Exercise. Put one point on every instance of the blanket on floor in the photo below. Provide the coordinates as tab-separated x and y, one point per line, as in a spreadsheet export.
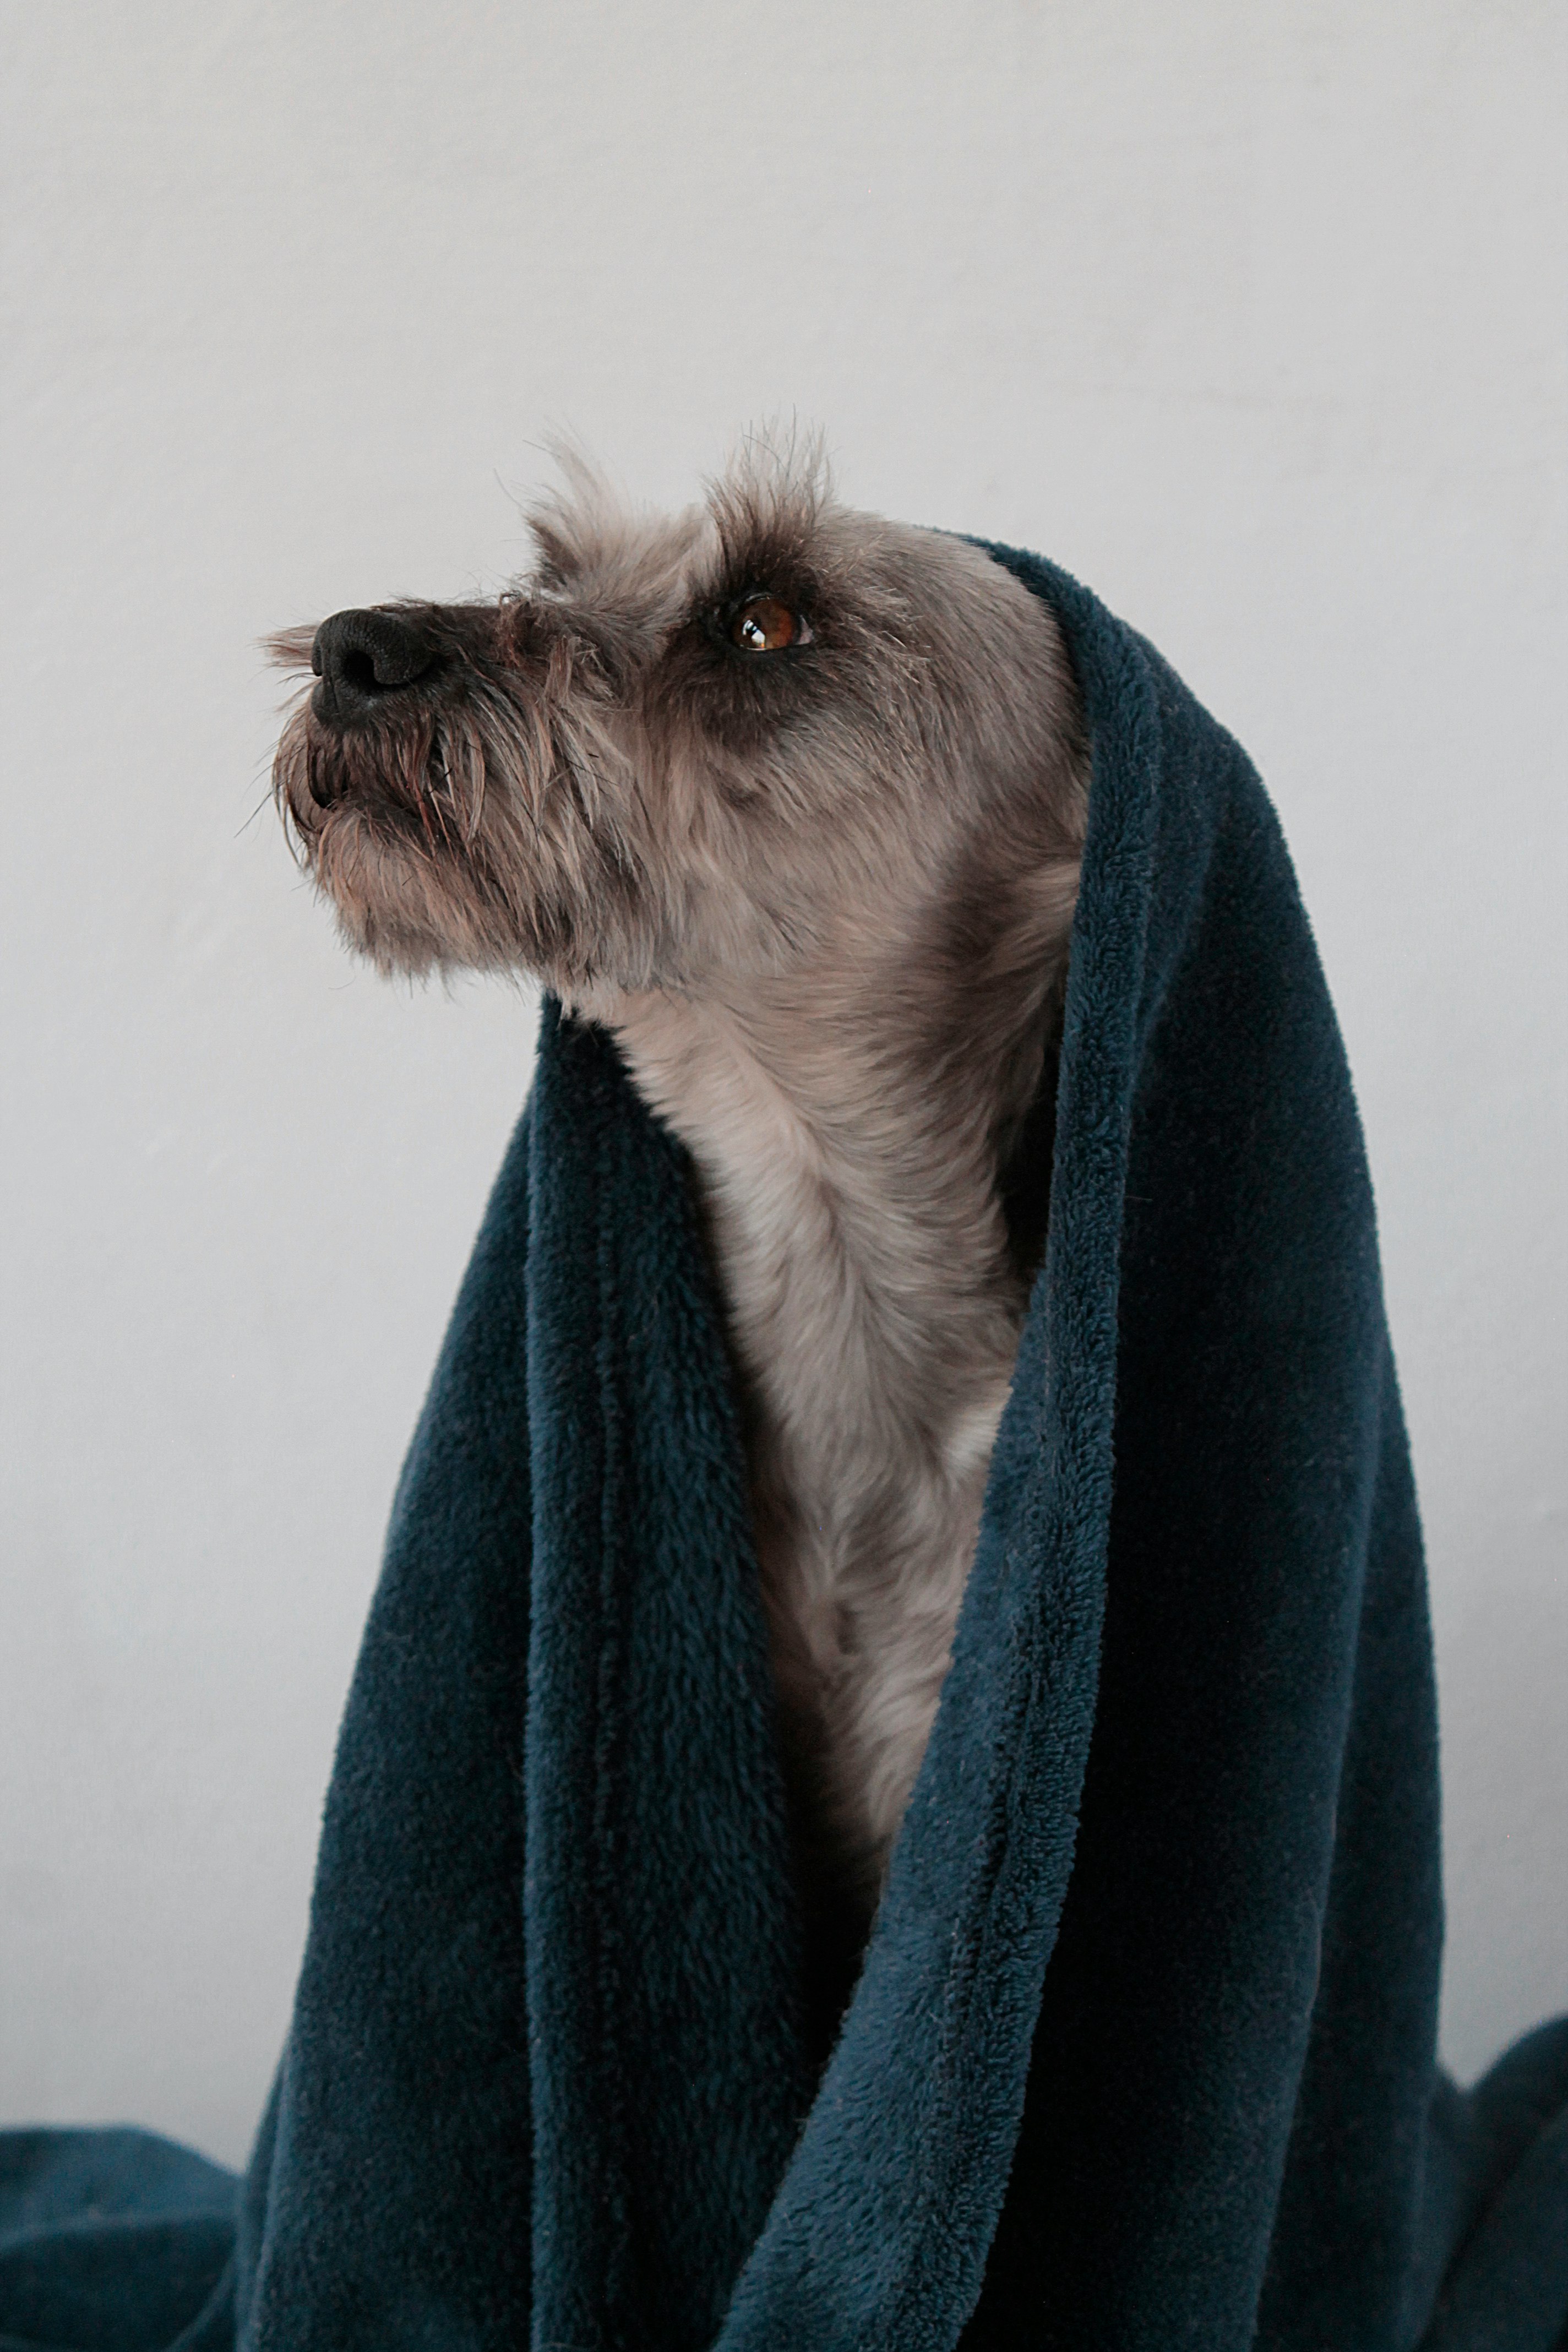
1141	2054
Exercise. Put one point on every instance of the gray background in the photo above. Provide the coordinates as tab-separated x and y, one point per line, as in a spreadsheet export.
1251	315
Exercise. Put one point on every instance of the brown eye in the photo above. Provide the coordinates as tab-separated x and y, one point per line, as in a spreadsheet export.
766	625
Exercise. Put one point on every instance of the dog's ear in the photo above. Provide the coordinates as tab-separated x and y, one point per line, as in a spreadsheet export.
773	465
569	523
767	503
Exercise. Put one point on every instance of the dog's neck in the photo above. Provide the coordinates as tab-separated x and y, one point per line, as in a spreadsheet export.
847	1149
845	1126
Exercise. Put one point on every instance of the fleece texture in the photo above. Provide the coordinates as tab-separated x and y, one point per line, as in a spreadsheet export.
1142	2057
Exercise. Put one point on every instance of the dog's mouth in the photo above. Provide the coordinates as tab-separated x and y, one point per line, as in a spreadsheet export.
324	771
467	801
382	739
385	816
454	812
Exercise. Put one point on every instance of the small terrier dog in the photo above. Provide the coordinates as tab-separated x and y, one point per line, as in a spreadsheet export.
791	800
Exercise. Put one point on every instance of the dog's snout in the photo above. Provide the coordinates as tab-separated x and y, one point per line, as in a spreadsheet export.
362	658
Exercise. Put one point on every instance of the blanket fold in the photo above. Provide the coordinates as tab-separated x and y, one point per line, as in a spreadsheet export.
1142	2053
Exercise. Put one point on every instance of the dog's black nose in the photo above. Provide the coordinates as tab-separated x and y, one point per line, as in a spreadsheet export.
362	658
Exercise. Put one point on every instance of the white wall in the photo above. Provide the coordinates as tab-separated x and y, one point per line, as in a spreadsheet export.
1250	315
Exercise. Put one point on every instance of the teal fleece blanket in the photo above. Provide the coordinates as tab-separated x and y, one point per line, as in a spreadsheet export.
1141	2054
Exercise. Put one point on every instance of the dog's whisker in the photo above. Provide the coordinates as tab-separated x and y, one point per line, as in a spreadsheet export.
268	799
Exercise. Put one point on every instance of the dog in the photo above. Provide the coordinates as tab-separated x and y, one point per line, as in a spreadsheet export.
792	800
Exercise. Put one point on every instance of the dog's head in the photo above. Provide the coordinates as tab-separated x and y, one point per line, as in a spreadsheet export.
679	747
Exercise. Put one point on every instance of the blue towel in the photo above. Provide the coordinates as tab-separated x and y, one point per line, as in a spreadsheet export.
1141	2056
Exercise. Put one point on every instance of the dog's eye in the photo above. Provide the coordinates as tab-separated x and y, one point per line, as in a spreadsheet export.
765	625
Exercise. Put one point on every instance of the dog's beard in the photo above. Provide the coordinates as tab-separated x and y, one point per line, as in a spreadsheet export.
479	832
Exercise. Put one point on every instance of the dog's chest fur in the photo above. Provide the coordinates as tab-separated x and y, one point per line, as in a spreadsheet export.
874	1314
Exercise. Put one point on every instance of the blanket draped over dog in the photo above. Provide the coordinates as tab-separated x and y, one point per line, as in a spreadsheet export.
1141	2054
